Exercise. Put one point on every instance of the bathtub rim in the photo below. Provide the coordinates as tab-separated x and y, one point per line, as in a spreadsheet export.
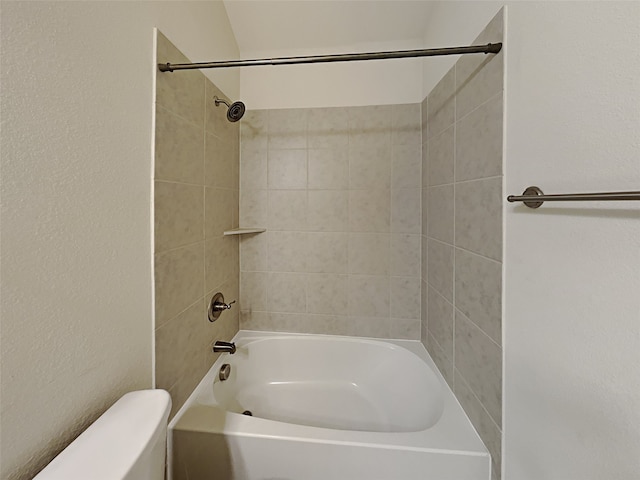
453	434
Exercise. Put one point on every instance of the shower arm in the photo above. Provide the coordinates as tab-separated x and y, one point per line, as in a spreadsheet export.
218	101
344	57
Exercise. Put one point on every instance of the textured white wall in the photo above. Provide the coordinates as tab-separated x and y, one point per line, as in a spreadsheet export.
452	24
382	82
268	28
572	271
76	304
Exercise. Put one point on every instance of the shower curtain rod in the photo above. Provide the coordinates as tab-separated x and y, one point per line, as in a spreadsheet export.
344	57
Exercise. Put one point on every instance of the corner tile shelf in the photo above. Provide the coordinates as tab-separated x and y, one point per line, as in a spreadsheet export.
244	231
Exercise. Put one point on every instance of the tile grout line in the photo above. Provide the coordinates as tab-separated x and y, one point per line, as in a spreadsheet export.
475	325
464	250
175	182
426	231
455	140
306	152
491	98
268	236
204	175
475	396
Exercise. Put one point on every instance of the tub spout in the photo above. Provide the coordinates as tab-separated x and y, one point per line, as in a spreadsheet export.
228	347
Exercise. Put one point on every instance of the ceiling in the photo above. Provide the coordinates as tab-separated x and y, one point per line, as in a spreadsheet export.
293	27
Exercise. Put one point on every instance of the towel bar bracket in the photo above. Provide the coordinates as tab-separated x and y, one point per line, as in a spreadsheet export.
532	191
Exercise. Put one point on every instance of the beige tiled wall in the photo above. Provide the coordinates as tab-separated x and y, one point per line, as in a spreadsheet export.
196	198
462	235
338	190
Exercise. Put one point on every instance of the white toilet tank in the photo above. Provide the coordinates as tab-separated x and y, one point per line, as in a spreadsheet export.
128	442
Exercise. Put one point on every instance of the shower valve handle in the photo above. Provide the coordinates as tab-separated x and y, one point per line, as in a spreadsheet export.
220	306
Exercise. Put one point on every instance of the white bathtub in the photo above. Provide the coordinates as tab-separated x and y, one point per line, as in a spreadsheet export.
325	408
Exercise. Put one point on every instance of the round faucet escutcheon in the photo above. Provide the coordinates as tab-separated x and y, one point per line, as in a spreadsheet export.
217	306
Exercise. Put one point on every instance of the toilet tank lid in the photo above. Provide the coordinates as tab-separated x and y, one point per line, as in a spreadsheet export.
109	448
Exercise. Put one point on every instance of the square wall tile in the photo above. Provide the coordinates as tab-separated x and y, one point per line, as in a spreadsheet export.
179	345
404	259
287	169
370	125
288	128
441	157
328	210
179	152
253	290
327	252
289	322
405	124
440	268
253	167
489	432
369	253
424	319
424	257
221	260
441	105
368	296
235	208
404	328
287	210
444	363
479	142
370	167
425	165
406	210
179	215
327	293
425	211
369	211
181	94
255	320
406	166
287	292
479	361
479	77
372	327
253	131
325	324
288	251
219	211
405	297
254	208
328	168
478	283
253	252
479	217
179	275
440	214
328	128
220	158
441	325
424	111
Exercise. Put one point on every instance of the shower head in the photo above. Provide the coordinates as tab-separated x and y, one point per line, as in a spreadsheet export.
235	111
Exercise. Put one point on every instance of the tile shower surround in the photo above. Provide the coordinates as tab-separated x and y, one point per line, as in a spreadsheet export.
462	235
339	191
372	212
196	198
